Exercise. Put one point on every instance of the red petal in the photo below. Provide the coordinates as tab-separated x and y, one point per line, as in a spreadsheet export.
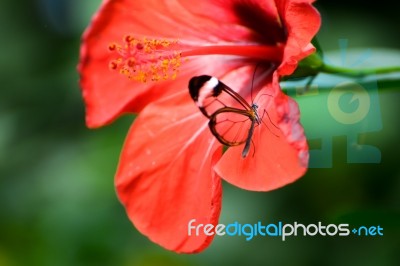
277	157
108	94
165	177
241	21
302	22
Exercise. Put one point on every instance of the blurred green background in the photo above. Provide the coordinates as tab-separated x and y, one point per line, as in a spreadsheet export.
57	200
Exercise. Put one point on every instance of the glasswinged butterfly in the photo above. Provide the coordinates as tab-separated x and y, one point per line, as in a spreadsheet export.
231	124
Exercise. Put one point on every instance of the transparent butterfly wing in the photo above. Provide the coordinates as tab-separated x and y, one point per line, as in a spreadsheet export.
232	119
231	126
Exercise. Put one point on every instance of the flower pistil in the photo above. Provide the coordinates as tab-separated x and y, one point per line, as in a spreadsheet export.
152	59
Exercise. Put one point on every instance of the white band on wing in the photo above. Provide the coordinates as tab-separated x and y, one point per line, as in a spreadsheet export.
206	91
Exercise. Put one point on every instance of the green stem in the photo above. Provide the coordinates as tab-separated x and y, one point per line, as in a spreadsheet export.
350	72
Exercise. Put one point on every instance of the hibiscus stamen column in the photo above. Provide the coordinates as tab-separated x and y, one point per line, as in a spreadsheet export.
152	59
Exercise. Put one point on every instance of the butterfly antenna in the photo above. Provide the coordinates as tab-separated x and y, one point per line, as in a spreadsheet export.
268	72
252	81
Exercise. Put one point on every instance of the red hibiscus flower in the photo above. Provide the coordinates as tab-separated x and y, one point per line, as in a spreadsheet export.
170	167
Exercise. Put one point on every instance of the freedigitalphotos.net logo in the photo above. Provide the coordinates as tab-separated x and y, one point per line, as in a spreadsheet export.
280	229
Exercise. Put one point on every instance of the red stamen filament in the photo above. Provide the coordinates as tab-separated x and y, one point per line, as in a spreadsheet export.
270	53
149	59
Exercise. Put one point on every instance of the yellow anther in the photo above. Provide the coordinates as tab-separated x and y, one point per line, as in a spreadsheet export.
146	59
